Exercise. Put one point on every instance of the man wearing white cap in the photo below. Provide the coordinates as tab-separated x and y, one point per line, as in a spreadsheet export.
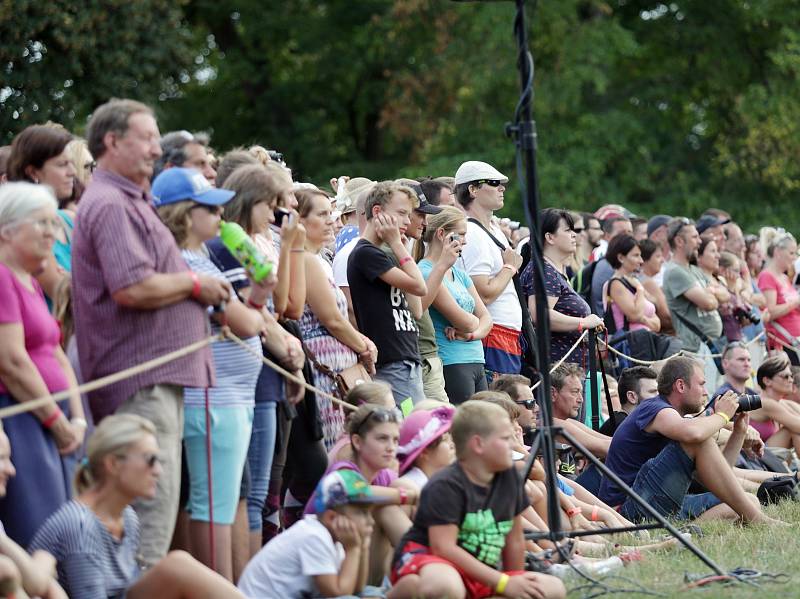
479	191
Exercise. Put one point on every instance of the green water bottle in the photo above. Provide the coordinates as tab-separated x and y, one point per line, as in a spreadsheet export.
245	251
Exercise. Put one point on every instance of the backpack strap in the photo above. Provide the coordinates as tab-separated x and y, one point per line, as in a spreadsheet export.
529	353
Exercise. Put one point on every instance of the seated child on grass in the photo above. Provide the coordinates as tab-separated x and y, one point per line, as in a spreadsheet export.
467	537
323	555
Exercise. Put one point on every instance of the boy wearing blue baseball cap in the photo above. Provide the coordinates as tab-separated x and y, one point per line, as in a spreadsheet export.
323	555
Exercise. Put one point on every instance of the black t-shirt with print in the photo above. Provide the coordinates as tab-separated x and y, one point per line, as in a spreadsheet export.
484	515
381	310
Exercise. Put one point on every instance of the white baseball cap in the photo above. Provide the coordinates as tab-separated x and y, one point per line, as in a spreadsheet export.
475	170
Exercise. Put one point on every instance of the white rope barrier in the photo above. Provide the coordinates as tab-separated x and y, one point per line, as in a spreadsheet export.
562	360
45	400
40	402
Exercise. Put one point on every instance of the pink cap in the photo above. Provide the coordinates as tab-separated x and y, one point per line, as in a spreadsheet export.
421	429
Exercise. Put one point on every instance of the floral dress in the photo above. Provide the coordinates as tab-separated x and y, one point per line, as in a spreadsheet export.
328	351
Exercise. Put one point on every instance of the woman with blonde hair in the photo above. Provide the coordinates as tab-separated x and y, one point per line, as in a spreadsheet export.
783	300
95	537
460	319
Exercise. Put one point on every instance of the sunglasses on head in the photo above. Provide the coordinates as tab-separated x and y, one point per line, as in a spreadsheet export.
379	416
489	182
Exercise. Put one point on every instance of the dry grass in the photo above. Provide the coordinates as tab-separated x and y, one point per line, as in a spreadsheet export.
768	549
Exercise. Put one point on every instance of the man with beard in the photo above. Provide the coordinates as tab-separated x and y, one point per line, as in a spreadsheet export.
686	288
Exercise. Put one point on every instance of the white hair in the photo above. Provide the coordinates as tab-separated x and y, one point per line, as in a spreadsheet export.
18	199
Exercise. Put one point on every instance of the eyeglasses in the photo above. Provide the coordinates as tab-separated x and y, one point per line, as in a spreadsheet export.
151	459
788	376
42	224
578	229
379	416
490	182
528	404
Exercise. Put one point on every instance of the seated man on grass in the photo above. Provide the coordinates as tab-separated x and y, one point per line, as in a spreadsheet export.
566	383
657	451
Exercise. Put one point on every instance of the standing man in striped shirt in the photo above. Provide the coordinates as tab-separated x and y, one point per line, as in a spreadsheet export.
135	299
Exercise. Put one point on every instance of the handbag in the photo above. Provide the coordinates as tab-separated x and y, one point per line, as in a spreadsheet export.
777	489
350	377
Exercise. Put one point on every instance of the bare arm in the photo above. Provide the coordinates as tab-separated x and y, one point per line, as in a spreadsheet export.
322	302
514	550
50	276
351	315
595	442
455	315
702	298
156	291
434	283
776	411
779	310
490	288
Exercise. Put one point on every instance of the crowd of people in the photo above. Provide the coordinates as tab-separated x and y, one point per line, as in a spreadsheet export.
355	417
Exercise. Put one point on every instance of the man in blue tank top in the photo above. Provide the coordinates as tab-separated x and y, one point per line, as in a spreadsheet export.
657	451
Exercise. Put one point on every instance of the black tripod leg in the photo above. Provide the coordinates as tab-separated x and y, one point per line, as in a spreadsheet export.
651	511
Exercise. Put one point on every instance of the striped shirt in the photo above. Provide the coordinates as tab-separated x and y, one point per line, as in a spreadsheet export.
119	241
236	369
92	564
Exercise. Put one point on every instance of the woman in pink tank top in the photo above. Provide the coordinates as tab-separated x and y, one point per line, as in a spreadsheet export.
778	419
631	306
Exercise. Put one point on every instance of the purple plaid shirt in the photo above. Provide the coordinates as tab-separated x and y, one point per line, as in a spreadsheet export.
119	241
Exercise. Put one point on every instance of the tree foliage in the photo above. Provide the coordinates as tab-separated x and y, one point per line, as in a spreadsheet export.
663	107
62	58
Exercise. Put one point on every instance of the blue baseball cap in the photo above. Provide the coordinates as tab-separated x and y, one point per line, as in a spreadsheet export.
179	184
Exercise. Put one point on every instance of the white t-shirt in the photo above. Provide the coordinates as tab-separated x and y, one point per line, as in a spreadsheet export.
340	263
284	567
481	256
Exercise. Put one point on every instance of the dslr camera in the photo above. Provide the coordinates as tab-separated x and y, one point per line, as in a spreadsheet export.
746	315
749	402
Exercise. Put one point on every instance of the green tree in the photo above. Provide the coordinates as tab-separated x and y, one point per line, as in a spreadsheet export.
62	58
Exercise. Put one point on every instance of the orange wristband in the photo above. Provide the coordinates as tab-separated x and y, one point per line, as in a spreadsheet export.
595	511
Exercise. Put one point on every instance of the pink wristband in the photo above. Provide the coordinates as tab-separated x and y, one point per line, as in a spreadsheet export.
405	260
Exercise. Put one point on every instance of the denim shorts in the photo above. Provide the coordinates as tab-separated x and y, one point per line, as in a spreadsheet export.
405	379
662	483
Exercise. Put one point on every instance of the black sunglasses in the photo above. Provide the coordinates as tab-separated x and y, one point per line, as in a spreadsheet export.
528	404
578	229
379	415
151	459
490	182
207	208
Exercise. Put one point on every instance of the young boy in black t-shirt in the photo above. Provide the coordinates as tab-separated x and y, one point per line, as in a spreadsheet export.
379	287
467	538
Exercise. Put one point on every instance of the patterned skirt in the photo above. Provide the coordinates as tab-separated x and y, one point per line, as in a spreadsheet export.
334	354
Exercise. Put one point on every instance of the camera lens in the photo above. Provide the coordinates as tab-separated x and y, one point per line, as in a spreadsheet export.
749	402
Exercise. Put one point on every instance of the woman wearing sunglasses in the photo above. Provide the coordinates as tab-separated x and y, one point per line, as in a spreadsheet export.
191	209
95	537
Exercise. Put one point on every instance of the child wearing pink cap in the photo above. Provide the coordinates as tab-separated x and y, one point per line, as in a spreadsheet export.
425	447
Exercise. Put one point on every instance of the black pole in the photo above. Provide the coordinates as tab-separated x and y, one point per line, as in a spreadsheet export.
594	392
523	130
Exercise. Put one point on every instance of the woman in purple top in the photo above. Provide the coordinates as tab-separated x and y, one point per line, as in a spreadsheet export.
32	364
569	313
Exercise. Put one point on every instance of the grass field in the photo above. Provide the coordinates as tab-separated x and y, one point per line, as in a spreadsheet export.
768	549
